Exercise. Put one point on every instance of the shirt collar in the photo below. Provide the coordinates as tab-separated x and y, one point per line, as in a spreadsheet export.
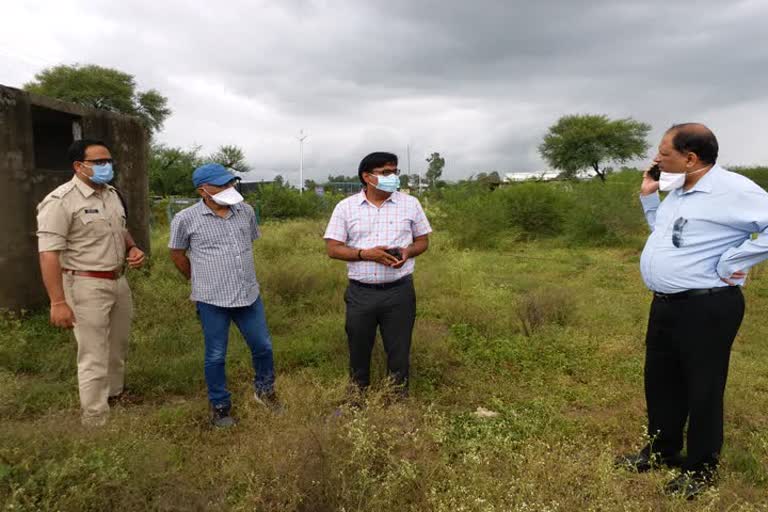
705	183
362	199
83	187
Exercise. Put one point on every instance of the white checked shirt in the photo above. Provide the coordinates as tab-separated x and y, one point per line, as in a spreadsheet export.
221	253
359	224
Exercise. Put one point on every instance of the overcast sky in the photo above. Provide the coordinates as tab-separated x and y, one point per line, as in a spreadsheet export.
478	81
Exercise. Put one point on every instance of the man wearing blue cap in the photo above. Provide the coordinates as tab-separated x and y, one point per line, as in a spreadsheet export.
211	244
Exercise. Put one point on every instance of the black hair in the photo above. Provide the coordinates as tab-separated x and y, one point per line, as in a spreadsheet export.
695	138
76	152
374	161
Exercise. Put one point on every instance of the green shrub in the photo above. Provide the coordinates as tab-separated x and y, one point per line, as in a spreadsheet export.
607	213
545	306
279	202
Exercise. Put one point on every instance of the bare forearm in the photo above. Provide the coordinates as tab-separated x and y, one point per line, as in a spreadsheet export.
342	252
182	263
50	268
419	246
129	242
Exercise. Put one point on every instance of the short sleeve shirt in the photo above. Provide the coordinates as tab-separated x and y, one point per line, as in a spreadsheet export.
220	250
86	225
360	224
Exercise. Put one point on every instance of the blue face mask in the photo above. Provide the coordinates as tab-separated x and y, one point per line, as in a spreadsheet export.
388	183
102	174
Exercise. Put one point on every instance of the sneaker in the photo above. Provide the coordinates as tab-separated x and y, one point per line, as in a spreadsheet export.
269	400
220	416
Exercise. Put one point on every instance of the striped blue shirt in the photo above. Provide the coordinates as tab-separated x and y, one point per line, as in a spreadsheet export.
220	250
703	234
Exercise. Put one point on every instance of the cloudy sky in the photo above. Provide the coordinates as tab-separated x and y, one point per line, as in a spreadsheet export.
477	81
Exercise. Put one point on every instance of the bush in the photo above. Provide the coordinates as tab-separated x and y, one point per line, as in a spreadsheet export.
477	217
536	209
607	213
545	306
279	202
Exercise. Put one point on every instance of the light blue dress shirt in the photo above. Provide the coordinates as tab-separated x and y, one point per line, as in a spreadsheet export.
705	233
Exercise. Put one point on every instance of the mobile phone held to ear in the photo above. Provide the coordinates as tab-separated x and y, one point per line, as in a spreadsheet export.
654	172
394	251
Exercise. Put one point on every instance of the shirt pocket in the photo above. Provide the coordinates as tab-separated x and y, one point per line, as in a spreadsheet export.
93	222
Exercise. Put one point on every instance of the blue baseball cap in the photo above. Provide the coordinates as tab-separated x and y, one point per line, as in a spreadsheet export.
213	174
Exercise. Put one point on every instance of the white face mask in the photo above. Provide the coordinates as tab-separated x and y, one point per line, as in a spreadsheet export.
227	197
669	181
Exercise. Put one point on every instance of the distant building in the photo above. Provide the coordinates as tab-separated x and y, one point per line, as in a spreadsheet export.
512	177
347	188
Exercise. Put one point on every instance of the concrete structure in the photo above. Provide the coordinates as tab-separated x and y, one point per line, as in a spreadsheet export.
35	133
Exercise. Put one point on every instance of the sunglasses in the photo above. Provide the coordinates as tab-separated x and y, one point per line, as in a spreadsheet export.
677	231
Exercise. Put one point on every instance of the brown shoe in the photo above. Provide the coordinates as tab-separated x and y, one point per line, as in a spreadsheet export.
124	398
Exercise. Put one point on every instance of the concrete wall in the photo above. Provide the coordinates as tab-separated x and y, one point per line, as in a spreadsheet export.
35	133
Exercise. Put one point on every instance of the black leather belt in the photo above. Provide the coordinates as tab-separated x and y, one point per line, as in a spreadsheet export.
383	286
695	293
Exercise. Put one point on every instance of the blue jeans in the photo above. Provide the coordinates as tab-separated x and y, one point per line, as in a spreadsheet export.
252	323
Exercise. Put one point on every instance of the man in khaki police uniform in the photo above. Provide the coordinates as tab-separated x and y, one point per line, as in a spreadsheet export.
84	245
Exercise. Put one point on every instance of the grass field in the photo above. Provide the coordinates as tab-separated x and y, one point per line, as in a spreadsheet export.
547	335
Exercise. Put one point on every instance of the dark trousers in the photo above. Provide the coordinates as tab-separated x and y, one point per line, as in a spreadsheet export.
688	348
393	310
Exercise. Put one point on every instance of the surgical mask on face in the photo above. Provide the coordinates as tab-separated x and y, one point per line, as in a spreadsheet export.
102	174
669	181
226	197
388	183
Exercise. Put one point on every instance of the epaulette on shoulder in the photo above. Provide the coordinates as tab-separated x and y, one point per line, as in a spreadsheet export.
62	190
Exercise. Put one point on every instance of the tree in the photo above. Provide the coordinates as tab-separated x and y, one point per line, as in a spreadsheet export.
435	169
579	142
491	179
103	88
231	157
170	169
343	179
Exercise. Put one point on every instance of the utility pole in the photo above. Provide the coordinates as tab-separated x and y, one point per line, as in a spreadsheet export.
301	139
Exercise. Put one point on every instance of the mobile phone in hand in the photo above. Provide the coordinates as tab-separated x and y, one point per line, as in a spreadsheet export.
654	172
394	251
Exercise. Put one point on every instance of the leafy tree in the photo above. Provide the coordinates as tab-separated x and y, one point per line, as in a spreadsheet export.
579	142
103	88
343	179
170	169
231	157
435	169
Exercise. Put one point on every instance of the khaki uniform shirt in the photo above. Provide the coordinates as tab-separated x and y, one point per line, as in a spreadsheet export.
86	225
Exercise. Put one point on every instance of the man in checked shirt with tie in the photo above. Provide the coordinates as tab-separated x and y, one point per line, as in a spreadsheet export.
695	262
379	232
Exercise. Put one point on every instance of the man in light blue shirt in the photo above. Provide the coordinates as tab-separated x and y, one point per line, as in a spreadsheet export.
695	262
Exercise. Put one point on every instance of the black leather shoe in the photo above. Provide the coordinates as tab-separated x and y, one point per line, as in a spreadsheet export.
643	461
690	484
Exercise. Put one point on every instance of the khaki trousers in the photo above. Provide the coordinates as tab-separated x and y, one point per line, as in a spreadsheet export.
103	312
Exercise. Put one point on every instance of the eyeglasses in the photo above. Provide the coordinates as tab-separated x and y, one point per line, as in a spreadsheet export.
386	172
100	161
677	231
